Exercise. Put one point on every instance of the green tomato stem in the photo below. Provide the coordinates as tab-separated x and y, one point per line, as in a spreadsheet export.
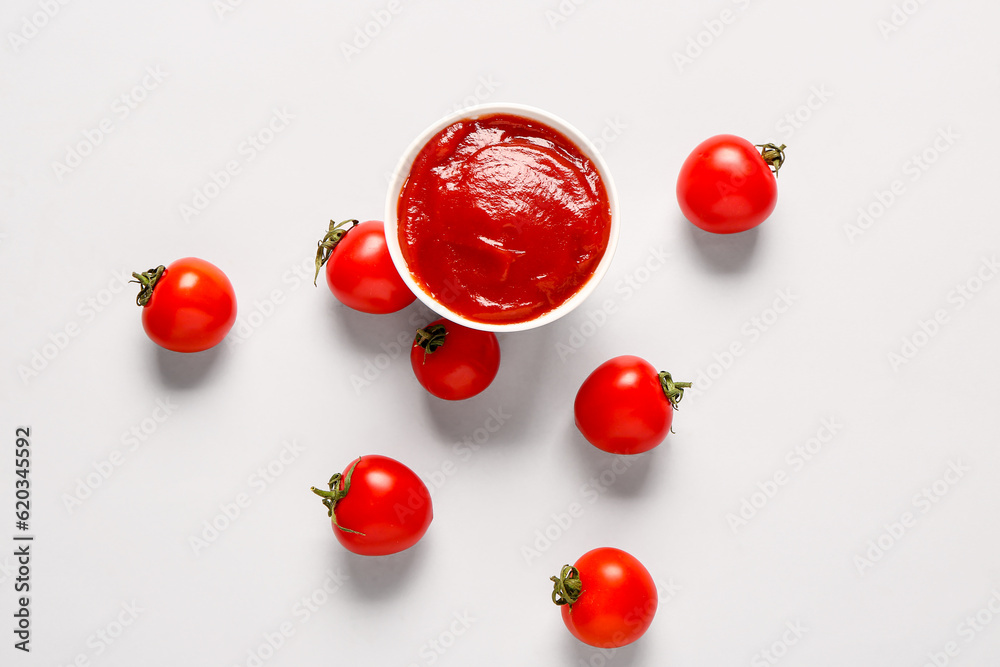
430	338
336	494
773	155
566	587
325	246
147	281
673	390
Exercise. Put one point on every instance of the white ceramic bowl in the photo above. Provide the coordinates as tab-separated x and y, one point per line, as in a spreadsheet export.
403	170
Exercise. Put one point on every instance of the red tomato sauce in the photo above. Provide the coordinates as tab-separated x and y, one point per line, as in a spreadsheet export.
502	218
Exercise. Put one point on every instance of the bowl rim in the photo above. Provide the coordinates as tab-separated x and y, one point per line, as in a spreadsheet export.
402	171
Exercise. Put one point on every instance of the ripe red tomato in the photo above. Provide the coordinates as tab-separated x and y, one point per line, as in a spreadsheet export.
454	362
378	506
608	598
359	270
625	406
188	306
726	185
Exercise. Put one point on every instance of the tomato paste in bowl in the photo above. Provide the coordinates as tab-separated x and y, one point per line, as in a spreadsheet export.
501	217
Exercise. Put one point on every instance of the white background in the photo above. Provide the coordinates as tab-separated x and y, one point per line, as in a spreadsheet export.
294	374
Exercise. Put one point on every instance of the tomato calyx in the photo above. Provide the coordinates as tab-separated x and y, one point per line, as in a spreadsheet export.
566	588
147	281
673	390
336	494
430	338
325	246
773	155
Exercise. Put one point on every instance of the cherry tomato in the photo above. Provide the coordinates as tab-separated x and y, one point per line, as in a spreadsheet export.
378	506
625	406
454	362
726	185
188	306
359	270
608	598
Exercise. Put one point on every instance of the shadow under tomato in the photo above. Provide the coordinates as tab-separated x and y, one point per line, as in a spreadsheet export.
380	577
723	253
369	334
183	370
622	476
454	420
584	654
502	413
